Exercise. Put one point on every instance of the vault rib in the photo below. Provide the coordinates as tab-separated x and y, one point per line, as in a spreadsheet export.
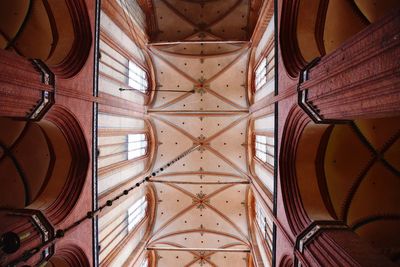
156	53
225	174
230	163
228	127
224	99
193	252
191	137
210	231
242	52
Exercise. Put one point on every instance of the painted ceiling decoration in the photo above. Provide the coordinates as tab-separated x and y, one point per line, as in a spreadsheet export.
185	21
201	217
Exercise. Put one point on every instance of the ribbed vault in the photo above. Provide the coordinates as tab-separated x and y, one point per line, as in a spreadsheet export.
201	216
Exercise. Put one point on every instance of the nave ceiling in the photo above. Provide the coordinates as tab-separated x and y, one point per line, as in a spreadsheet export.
202	200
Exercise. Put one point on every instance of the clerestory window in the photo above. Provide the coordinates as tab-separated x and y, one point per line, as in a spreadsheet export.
144	263
137	145
264	147
137	77
265	224
265	71
136	213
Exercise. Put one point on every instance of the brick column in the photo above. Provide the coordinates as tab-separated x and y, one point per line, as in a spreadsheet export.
359	80
26	87
331	243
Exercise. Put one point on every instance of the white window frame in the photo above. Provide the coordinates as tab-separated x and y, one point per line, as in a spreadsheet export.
136	213
266	225
137	77
265	71
264	148
136	145
145	263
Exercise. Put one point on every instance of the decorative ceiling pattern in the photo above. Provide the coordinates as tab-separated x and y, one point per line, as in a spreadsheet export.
201	49
201	216
201	199
180	20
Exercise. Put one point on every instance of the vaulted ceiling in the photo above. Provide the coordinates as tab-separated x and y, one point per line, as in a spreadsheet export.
201	48
179	20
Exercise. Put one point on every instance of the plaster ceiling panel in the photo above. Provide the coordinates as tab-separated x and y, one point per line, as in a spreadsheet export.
174	258
205	102
164	99
203	12
171	142
232	202
189	123
234	25
205	161
219	49
233	82
179	20
170	203
237	259
171	27
208	218
204	263
196	238
199	68
219	82
202	189
215	125
232	145
204	212
203	36
169	78
199	178
197	125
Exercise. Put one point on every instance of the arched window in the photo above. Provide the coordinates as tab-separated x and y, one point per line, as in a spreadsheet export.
137	145
265	70
136	213
144	263
265	149
137	77
265	225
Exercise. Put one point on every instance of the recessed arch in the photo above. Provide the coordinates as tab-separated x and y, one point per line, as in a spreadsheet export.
68	256
343	172
56	32
312	29
44	162
286	261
